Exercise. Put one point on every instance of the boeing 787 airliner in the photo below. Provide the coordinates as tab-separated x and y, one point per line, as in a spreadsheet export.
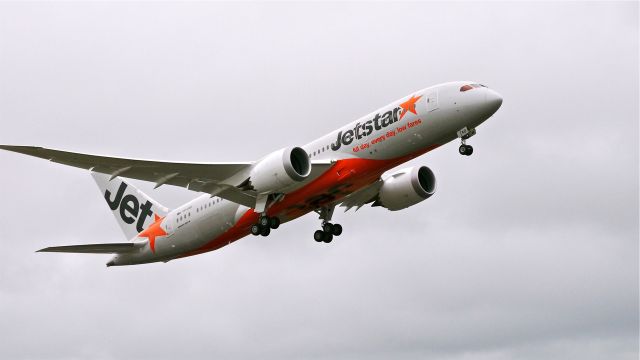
343	168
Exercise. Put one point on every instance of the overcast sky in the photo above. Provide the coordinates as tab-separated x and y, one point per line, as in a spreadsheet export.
529	249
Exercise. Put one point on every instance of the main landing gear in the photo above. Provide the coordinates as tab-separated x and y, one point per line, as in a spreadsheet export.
264	225
464	134
329	230
327	233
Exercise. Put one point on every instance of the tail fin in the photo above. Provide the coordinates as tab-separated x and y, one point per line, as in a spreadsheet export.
133	210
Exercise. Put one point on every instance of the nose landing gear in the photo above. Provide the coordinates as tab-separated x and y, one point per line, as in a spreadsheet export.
465	149
464	134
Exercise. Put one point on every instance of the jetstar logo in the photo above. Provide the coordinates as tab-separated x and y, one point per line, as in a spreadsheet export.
130	207
153	231
409	105
378	122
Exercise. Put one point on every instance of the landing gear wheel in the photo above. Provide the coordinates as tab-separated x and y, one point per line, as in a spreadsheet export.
465	149
265	231
328	228
318	235
337	229
256	230
327	237
264	221
274	222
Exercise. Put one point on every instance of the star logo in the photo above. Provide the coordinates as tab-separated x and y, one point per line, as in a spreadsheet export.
409	105
153	231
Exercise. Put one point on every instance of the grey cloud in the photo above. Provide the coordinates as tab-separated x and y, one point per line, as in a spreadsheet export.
529	249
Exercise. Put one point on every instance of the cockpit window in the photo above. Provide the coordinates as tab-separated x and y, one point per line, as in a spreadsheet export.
465	88
470	87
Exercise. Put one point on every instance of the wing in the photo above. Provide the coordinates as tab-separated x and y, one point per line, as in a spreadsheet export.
362	196
111	248
204	177
219	179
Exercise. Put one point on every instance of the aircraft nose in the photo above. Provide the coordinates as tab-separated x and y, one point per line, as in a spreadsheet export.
493	100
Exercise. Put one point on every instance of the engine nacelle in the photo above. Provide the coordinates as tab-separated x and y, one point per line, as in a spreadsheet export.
280	169
406	187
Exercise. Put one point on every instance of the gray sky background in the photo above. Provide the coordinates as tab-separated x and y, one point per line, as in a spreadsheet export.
528	250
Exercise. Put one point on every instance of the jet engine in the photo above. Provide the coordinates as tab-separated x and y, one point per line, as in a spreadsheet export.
406	187
279	170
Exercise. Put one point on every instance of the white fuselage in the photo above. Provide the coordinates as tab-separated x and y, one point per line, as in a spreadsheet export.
376	142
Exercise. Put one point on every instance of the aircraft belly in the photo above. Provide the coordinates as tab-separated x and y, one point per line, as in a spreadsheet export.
216	223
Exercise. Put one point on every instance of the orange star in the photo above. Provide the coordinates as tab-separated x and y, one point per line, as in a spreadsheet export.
409	105
152	231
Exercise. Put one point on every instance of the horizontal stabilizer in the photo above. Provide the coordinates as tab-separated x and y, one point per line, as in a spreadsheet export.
110	248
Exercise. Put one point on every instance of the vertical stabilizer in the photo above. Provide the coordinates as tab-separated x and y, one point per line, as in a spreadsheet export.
132	208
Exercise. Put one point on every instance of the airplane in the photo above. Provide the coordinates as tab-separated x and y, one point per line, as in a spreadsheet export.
347	167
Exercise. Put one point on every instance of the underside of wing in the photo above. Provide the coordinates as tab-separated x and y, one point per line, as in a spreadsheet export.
362	196
111	248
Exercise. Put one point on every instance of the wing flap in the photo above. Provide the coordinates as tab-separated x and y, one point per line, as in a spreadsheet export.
110	248
362	196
